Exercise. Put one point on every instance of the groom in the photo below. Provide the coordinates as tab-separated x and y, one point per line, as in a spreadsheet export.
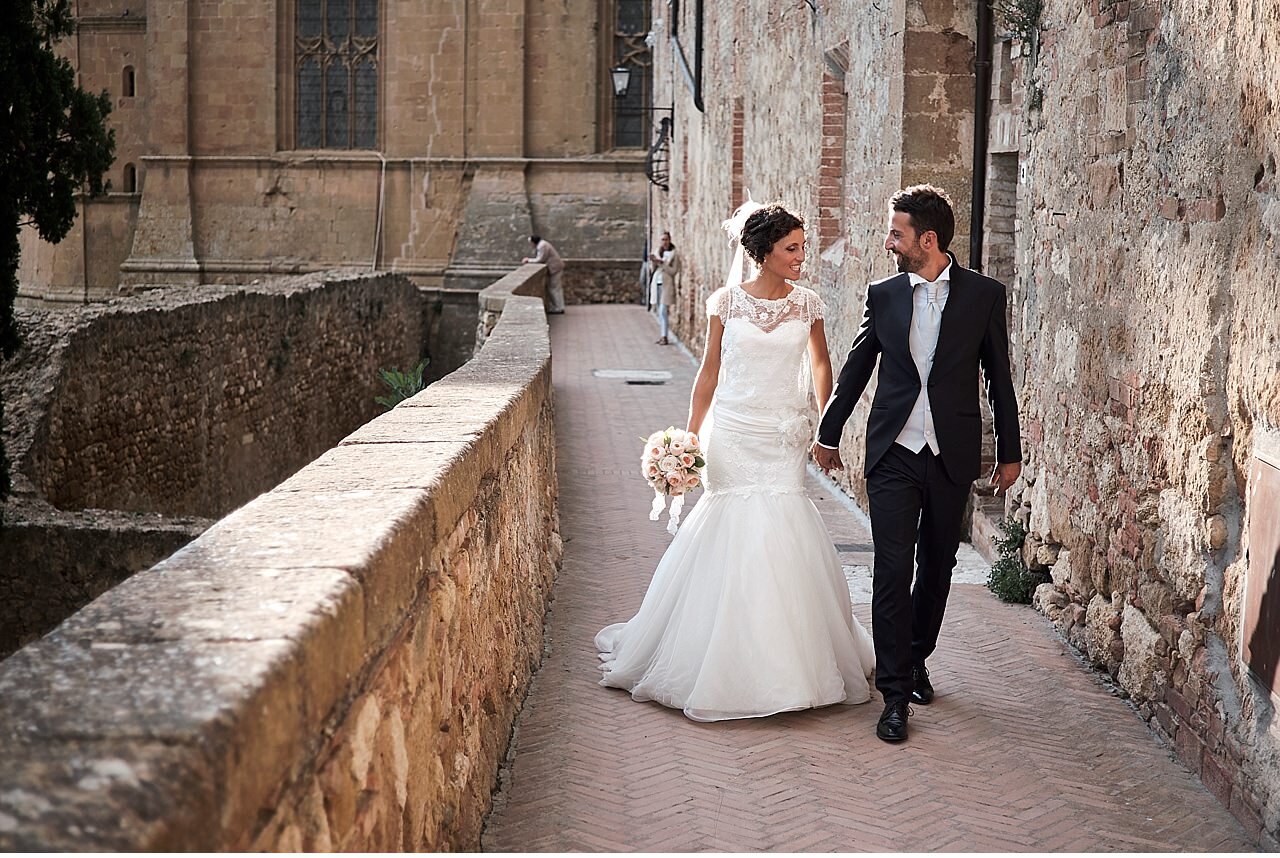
932	326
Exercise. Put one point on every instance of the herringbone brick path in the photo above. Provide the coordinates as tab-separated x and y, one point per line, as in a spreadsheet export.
1023	749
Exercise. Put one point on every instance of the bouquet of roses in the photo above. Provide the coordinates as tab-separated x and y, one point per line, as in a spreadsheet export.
672	464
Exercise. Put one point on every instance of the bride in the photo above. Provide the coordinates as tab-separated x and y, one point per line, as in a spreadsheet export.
748	612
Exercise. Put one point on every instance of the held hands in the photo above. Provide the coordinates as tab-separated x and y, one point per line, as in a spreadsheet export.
828	460
1004	476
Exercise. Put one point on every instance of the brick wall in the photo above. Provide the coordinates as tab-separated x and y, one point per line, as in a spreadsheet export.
830	220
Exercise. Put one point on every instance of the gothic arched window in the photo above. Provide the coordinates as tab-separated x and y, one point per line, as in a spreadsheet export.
628	29
336	74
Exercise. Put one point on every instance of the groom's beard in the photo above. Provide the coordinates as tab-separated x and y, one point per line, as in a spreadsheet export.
906	263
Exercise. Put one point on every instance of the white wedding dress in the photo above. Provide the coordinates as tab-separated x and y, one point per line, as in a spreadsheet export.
748	612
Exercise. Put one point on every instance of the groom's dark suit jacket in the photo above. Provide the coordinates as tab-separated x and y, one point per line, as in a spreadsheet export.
972	334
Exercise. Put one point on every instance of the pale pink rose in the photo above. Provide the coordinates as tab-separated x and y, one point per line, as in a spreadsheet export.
669	464
690	441
675	479
676	446
655	451
692	481
651	470
686	459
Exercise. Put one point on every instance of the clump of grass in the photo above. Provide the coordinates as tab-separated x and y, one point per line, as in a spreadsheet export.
403	384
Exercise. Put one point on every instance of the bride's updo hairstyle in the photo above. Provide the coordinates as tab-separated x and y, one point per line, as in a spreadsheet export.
765	228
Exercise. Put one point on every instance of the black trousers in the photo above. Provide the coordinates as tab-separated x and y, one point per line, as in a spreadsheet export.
916	513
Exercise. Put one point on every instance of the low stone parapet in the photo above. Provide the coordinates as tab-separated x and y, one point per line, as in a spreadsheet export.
335	665
529	280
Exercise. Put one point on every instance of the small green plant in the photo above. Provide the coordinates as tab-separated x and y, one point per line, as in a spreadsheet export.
402	384
1010	579
1020	18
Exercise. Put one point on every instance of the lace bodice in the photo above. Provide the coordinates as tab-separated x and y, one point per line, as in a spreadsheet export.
734	302
762	417
762	354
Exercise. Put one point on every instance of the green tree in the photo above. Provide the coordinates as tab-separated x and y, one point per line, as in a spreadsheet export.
54	143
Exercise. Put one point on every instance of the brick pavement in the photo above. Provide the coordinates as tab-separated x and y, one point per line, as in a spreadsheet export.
1023	749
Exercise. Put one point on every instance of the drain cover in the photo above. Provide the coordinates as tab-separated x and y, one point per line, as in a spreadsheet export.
859	547
635	376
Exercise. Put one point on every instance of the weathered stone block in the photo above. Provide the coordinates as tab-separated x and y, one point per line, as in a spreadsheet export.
1048	601
120	794
1100	635
1142	663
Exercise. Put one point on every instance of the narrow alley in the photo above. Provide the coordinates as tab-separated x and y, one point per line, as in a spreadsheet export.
987	766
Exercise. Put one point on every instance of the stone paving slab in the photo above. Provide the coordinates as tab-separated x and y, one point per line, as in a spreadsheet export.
1024	749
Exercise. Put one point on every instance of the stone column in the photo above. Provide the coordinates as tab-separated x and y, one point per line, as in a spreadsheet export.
495	227
495	79
937	104
163	245
496	223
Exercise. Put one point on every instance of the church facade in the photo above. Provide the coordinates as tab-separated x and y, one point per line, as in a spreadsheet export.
427	138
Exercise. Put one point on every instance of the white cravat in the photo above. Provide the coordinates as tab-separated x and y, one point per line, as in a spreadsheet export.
928	300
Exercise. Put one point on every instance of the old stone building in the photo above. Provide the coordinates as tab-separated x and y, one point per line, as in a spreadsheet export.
425	138
1114	162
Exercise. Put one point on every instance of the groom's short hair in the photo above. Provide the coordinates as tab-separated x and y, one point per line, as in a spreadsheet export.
929	208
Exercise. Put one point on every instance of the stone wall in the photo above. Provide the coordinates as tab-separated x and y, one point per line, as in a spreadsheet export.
125	418
54	562
1146	313
451	315
191	403
878	54
335	665
602	282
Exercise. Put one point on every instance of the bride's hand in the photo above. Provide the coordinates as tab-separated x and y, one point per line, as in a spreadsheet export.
828	460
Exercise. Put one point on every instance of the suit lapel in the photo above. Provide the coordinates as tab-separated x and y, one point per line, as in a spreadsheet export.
899	329
953	314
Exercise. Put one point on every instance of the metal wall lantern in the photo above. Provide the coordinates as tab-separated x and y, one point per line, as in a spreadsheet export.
621	80
655	162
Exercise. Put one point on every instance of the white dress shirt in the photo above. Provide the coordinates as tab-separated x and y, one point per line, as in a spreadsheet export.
923	342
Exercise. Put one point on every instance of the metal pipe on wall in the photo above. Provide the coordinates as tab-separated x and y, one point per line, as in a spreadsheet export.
981	131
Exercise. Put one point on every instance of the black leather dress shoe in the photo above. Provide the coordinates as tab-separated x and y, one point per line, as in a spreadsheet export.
923	692
893	722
